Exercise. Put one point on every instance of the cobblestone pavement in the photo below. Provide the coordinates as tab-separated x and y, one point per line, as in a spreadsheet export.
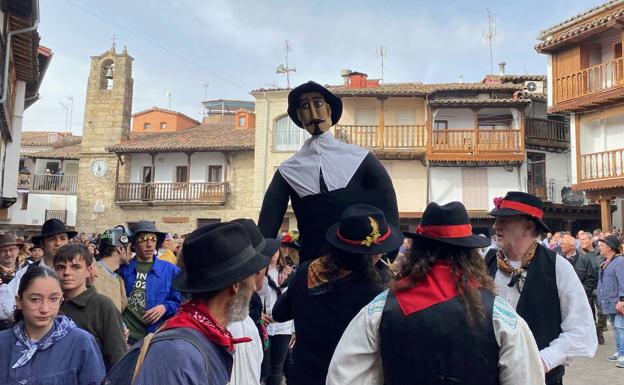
597	370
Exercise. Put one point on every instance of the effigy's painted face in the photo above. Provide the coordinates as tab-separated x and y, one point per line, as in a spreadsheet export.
314	113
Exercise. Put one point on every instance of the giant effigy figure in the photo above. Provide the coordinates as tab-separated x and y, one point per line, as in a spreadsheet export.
325	176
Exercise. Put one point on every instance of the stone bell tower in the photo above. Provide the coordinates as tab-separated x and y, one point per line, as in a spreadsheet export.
108	109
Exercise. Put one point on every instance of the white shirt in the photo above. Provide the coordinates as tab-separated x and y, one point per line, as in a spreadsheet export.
248	355
338	160
269	297
8	291
578	331
357	358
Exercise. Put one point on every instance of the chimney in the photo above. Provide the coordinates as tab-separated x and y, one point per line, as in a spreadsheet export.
345	74
501	69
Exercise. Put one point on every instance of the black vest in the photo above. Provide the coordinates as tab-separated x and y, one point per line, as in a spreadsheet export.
539	300
436	346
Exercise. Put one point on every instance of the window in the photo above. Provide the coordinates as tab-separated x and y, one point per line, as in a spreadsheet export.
405	117
24	201
288	137
536	173
215	174
365	117
147	126
242	121
201	222
440	124
52	166
181	175
147	174
163	125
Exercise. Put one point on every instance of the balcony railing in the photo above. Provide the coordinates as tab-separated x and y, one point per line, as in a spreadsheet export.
476	141
57	214
392	137
603	165
67	184
185	192
546	132
601	77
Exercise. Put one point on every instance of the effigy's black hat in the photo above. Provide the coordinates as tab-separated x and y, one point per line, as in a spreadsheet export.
449	224
363	229
520	203
335	104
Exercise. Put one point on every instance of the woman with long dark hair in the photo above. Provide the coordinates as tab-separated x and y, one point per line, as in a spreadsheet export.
441	321
44	347
327	292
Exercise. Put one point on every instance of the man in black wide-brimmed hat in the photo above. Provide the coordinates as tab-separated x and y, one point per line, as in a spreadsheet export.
222	264
541	285
440	323
54	235
325	176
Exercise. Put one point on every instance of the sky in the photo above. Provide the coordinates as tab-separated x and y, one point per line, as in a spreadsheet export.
235	46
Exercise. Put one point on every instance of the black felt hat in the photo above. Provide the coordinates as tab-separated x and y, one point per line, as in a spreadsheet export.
146	227
216	256
53	227
335	104
264	246
520	203
363	229
613	242
450	224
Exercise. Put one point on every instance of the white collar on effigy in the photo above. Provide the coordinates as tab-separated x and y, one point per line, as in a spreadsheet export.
338	160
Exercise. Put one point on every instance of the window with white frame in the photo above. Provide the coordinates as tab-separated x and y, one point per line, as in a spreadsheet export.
287	136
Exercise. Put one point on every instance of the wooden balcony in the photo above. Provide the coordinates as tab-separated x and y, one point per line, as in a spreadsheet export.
599	84
201	193
54	184
601	170
467	144
410	139
547	134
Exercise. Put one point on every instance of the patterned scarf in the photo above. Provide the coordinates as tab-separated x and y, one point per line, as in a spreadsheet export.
62	325
516	274
196	315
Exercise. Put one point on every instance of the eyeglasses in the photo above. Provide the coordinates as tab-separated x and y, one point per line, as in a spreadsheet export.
147	237
9	250
36	302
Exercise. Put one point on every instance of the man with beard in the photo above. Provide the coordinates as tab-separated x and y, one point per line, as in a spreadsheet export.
221	263
325	177
54	234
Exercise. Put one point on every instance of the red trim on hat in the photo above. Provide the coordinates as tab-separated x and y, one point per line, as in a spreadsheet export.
363	242
445	231
523	207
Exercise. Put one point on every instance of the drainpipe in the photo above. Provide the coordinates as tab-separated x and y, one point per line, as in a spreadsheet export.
7	52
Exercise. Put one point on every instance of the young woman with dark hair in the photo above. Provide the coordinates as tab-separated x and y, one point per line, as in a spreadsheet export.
440	320
327	293
45	347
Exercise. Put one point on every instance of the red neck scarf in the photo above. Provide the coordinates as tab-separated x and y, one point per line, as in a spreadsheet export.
196	315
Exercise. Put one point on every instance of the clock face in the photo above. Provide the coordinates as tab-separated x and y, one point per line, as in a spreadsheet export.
99	168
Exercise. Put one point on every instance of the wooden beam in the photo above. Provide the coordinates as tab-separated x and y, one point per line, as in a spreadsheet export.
577	129
605	214
475	126
381	134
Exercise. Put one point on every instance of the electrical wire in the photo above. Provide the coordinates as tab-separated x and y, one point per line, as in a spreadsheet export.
157	44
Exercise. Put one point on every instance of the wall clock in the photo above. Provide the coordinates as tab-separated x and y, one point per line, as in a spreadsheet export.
99	168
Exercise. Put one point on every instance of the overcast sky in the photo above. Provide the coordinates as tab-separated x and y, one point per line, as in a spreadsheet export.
236	46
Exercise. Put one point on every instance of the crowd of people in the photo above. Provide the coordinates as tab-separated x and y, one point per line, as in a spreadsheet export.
232	306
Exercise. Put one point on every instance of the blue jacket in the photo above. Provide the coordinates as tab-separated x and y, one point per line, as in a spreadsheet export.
611	284
158	288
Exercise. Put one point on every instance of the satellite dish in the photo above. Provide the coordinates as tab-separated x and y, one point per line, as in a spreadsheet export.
572	198
531	86
280	69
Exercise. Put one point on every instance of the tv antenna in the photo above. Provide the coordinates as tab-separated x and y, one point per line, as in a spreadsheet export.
283	68
381	54
490	35
206	84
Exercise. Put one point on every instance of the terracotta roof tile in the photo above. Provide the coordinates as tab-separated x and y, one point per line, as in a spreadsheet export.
67	151
523	78
199	138
578	17
551	38
475	102
41	138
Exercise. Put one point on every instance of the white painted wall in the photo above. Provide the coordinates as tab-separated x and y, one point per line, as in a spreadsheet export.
166	164
461	118
12	149
38	203
549	79
602	135
446	184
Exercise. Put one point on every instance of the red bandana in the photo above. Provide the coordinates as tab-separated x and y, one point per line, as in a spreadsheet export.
195	315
